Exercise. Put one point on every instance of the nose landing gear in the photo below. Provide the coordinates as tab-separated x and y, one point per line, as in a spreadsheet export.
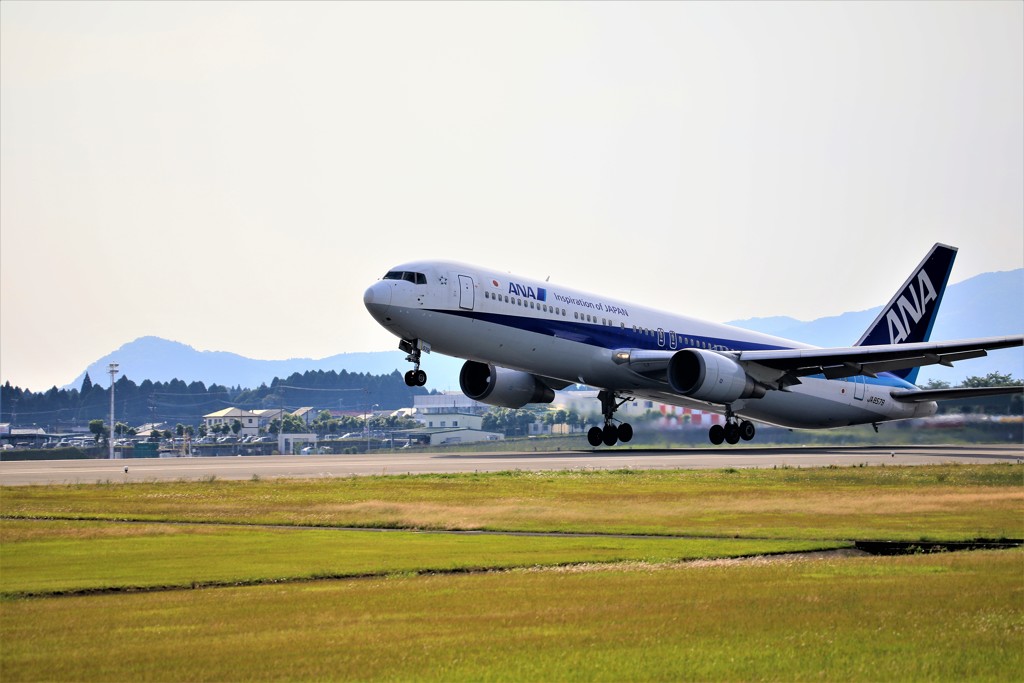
611	433
733	431
415	348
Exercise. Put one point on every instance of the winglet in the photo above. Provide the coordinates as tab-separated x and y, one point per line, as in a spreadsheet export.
910	314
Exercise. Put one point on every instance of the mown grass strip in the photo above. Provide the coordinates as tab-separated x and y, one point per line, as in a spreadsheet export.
956	616
947	502
44	557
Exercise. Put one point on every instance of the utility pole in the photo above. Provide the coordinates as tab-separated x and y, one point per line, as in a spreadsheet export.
112	369
369	412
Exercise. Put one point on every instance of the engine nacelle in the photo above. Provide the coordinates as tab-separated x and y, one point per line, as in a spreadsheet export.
502	387
709	376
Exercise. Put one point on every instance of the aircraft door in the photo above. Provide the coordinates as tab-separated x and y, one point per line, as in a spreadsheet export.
858	387
467	292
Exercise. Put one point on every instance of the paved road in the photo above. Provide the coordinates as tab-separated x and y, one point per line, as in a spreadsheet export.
228	467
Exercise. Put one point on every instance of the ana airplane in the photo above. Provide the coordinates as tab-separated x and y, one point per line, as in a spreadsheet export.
524	339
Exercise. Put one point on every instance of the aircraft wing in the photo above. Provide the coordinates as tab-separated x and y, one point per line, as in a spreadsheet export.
785	367
835	363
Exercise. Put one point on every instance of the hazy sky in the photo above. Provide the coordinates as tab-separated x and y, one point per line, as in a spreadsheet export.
234	175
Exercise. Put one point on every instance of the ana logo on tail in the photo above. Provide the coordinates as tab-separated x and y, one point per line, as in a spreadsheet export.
898	317
910	314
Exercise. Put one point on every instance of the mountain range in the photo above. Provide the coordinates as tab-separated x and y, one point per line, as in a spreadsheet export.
983	306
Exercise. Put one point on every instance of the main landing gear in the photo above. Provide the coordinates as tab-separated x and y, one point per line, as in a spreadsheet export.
415	348
611	433
733	431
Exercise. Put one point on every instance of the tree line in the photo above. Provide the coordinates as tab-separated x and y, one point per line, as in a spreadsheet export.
175	401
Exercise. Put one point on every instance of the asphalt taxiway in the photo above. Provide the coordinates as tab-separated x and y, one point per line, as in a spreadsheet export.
14	473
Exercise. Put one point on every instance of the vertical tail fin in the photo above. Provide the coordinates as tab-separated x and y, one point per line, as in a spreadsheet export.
910	314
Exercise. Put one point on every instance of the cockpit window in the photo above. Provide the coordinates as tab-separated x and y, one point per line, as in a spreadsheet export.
409	276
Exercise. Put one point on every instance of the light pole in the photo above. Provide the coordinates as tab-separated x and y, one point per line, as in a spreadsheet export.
369	411
112	369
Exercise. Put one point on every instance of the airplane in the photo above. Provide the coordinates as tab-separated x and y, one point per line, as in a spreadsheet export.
523	339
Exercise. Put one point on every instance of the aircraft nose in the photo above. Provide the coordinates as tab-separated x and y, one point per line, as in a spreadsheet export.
377	298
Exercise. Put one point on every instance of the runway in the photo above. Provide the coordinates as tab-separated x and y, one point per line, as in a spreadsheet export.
384	463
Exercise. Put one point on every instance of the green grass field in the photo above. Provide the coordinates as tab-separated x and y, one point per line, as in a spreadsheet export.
946	502
41	558
86	597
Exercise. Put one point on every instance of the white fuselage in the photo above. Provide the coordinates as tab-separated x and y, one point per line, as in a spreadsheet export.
556	332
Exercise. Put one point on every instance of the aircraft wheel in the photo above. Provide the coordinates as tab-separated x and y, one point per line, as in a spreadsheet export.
747	430
421	378
716	434
732	434
610	435
410	378
625	432
594	436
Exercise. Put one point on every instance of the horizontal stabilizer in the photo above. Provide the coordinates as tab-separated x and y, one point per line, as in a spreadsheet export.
952	394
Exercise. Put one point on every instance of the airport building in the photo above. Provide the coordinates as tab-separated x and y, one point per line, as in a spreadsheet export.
252	420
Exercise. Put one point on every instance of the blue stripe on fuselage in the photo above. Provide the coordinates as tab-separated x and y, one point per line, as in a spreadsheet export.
603	336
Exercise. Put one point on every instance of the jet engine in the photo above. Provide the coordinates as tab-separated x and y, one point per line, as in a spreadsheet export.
501	386
709	376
